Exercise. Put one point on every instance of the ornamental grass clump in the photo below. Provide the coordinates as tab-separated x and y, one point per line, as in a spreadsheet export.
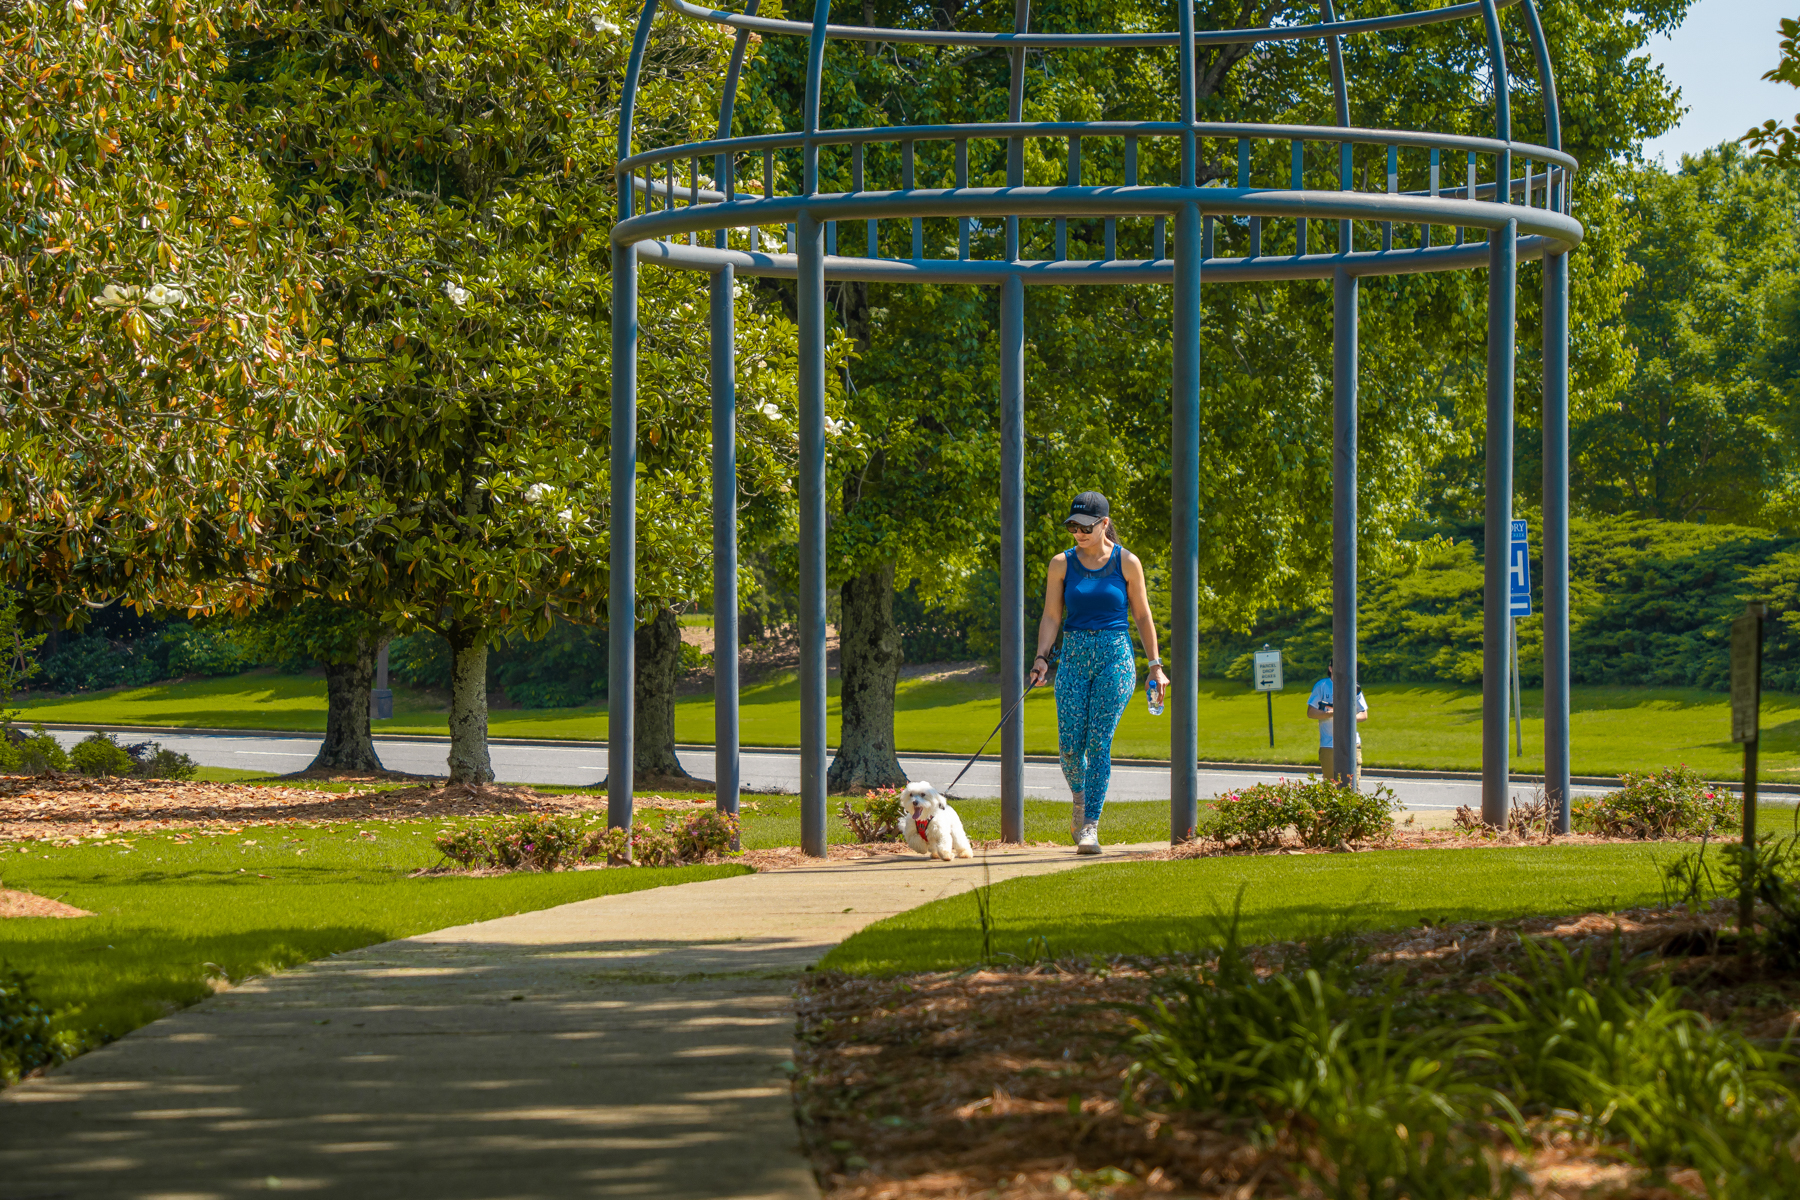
1672	802
1625	1064
1318	811
1371	1092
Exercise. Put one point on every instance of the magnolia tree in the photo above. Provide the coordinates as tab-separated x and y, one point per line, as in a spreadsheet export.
453	169
157	302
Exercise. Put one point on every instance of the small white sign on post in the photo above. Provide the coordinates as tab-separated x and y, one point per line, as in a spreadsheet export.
1268	681
1268	671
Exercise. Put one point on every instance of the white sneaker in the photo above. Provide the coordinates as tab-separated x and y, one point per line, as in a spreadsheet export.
1088	841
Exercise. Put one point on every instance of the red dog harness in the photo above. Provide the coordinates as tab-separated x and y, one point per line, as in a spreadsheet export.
922	826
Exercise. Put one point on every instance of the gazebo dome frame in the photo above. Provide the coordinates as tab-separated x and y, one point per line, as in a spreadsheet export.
1523	216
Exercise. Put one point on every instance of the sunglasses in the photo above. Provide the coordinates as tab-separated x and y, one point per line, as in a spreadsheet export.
1078	527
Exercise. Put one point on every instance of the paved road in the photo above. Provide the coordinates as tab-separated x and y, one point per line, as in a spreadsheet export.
768	770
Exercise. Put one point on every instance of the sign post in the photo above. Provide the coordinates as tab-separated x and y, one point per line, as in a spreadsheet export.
1518	575
1268	681
1746	705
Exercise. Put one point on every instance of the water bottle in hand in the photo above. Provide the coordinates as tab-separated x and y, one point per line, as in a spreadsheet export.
1154	691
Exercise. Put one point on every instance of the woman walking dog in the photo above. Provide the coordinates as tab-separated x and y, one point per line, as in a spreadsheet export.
1092	592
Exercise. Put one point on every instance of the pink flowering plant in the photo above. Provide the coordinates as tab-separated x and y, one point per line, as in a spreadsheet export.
546	843
879	818
1314	810
1672	802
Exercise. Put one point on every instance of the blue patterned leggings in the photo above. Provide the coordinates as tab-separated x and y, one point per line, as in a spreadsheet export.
1094	683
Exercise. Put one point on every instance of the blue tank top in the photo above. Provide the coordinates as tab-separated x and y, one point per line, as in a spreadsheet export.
1096	600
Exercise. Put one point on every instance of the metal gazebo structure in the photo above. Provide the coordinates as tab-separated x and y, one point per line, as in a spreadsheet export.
1510	204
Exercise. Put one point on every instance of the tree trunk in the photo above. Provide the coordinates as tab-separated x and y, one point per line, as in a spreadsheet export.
469	761
348	745
869	665
658	666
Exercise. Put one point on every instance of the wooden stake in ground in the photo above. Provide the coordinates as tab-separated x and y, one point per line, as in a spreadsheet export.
1746	702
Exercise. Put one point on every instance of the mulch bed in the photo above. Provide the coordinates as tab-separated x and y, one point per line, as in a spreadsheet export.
70	807
1007	1083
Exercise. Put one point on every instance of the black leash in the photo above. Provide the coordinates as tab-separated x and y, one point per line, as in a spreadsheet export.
1049	660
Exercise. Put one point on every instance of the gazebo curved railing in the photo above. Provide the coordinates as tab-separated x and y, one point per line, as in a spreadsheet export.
1107	202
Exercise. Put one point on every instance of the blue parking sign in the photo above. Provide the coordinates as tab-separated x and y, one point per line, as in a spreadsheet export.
1519	573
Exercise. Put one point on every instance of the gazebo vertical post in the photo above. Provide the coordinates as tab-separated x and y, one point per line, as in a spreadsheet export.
809	250
621	618
726	764
1503	269
1556	453
621	601
1556	534
1503	272
1012	478
1184	449
1184	517
1012	556
1344	346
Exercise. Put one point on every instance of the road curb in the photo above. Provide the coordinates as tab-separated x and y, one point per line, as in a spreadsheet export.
1786	789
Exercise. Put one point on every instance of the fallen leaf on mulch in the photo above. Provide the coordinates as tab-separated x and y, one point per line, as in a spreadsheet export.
25	904
64	807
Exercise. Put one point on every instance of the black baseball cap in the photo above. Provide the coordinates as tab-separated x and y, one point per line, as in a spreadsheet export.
1089	508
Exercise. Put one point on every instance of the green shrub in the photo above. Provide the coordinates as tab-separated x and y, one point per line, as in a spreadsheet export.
100	754
546	843
26	1039
1672	802
30	754
708	831
1319	811
150	760
879	818
523	843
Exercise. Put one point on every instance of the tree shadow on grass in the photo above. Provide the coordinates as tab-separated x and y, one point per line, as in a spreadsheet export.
447	1070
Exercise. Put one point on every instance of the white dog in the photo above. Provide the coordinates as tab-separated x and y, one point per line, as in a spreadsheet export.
932	826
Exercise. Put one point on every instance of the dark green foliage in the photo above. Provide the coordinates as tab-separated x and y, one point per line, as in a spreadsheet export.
26	1039
94	661
101	754
566	668
1673	802
1651	605
928	633
31	754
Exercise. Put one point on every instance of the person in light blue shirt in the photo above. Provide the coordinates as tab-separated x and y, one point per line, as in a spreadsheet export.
1319	708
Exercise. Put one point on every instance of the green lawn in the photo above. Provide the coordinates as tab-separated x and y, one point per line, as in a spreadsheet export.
1163	907
269	897
1410	725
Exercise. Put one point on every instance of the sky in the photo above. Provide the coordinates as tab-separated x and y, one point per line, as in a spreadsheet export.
1717	58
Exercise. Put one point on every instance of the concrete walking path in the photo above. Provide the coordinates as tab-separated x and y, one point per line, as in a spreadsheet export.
625	1045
